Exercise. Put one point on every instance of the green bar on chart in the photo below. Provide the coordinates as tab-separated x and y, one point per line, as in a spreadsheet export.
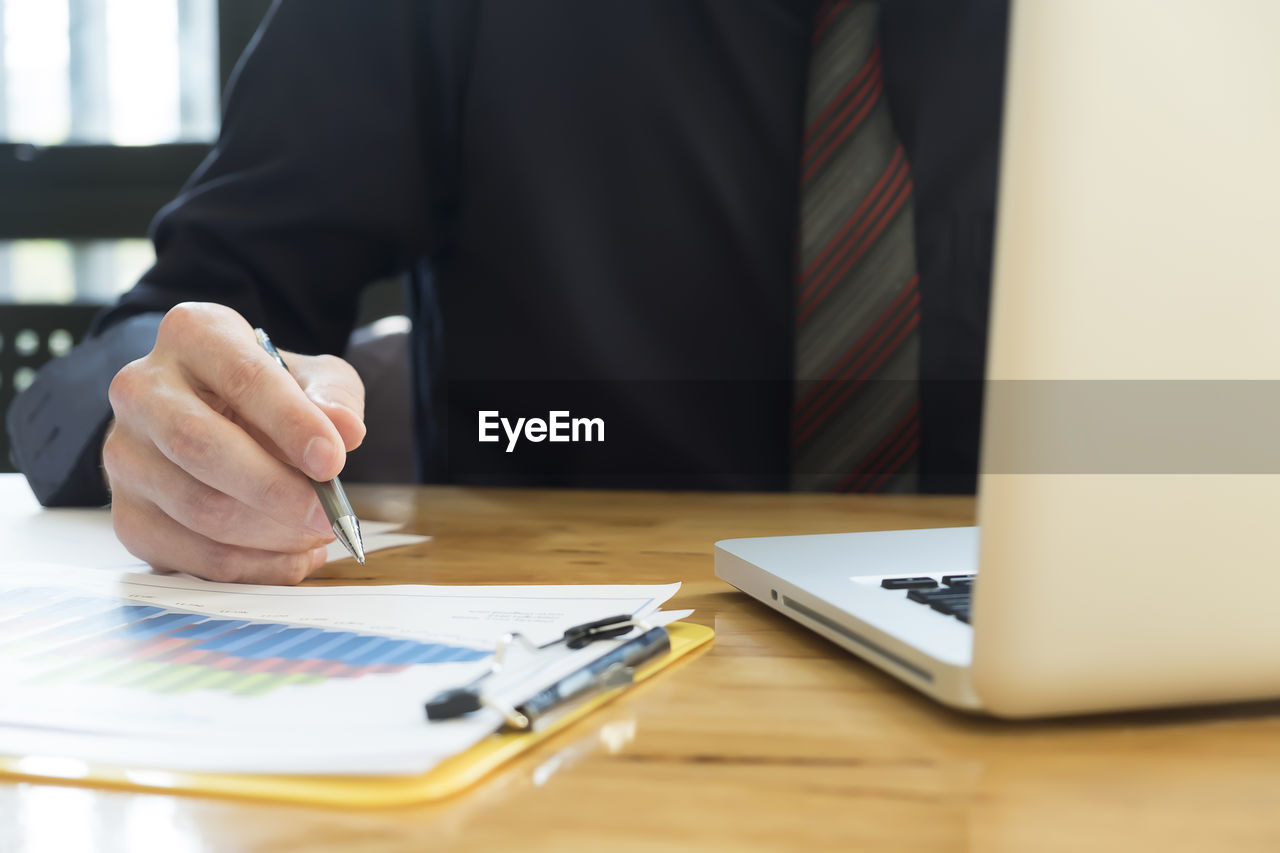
171	674
210	678
126	675
80	671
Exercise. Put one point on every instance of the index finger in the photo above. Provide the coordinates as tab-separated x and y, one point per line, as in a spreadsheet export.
224	357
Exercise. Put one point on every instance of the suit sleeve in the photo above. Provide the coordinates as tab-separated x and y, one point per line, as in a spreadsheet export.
318	185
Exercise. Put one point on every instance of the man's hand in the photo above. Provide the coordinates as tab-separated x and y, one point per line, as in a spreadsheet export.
212	444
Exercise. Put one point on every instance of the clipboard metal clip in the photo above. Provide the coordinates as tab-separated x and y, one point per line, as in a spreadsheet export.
614	669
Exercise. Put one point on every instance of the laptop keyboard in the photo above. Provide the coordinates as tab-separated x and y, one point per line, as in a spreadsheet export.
950	595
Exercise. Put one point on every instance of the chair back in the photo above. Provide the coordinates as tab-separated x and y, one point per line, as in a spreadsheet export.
30	335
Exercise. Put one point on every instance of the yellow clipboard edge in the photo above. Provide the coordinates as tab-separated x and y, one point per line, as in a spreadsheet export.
447	778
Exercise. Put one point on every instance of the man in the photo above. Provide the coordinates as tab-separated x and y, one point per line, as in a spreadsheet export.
598	204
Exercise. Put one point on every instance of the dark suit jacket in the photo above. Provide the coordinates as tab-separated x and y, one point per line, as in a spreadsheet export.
596	200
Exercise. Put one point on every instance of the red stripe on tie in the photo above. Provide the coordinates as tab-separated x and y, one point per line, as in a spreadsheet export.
890	171
872	64
836	391
829	16
870	89
889	315
850	386
844	241
866	244
901	433
856	375
897	455
874	463
896	466
850	126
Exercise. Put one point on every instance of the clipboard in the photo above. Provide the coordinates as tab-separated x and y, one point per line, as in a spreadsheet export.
446	779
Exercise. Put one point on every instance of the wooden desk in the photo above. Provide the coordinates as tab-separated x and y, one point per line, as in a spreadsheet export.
773	740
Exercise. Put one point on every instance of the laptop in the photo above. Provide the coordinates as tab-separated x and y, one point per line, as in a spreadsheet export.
1127	553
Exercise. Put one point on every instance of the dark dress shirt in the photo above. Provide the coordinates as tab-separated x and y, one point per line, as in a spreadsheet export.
596	202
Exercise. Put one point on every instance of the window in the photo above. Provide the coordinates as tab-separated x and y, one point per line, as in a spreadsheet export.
115	72
106	106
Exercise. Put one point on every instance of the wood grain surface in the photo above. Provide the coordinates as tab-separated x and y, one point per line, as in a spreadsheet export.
772	740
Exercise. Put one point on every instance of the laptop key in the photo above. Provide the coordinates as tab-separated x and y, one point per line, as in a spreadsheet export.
957	580
949	601
909	583
928	596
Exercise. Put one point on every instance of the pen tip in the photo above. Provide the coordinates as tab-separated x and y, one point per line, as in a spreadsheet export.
347	529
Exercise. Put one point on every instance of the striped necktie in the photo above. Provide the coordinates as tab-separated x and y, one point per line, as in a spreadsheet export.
855	421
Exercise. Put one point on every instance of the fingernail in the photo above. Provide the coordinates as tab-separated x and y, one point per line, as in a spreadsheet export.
364	430
317	459
319	557
320	522
350	411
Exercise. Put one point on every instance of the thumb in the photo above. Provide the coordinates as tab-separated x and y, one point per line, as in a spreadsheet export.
335	387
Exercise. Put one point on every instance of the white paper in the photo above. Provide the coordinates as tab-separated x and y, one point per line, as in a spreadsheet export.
85	537
259	679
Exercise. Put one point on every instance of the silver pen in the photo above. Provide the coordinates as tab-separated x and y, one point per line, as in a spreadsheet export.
332	496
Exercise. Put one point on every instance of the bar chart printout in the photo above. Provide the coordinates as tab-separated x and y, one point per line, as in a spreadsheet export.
170	672
67	638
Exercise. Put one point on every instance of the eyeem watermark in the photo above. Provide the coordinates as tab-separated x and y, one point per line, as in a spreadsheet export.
558	427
